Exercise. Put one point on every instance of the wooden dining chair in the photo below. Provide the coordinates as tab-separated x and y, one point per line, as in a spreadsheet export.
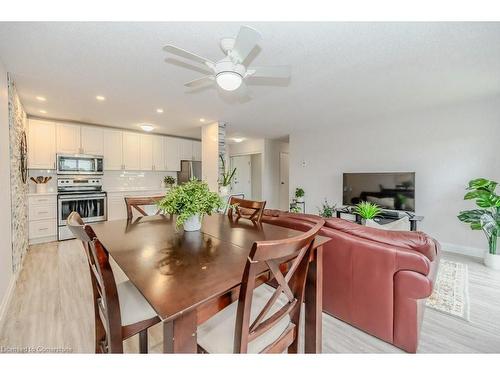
264	319
120	310
247	209
138	203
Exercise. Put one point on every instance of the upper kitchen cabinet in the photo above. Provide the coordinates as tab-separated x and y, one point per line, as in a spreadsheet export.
41	144
172	154
159	159
196	150
186	149
67	138
131	151
92	140
146	152
113	151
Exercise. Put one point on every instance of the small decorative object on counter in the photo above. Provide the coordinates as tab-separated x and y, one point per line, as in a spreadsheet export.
41	183
225	179
367	211
169	181
327	210
190	201
299	194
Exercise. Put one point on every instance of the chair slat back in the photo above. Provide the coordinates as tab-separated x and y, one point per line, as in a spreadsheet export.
248	209
138	203
106	303
297	251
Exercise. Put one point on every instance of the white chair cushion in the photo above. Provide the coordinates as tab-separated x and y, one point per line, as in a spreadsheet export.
402	224
133	306
216	335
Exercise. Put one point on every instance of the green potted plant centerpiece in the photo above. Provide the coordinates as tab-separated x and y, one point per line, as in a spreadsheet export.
226	178
299	194
486	218
367	211
190	201
169	181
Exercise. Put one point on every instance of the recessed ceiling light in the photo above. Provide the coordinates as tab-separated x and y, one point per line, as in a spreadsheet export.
238	140
100	98
42	111
202	119
146	127
159	110
41	99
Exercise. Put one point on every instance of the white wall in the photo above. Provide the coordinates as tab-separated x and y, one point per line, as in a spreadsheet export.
256	161
6	275
446	147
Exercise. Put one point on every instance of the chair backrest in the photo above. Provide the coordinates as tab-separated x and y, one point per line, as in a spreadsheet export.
138	203
296	252
247	209
106	303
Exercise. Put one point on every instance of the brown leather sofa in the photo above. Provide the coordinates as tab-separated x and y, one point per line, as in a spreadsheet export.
373	279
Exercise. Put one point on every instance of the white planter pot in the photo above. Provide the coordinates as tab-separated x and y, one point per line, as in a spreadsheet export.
41	188
193	223
492	260
224	190
300	199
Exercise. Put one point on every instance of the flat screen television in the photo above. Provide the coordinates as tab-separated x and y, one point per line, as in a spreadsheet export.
392	191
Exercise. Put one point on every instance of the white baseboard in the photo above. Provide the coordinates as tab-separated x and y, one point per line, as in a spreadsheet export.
464	250
7	297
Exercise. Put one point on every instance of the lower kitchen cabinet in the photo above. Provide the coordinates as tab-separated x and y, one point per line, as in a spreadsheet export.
42	218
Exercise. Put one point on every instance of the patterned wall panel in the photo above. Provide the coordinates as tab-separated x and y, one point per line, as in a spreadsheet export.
19	190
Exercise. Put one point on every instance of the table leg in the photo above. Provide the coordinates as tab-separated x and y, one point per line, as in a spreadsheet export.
179	335
314	304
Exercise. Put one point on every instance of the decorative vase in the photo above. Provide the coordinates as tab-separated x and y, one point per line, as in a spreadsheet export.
193	223
41	188
300	199
224	190
492	260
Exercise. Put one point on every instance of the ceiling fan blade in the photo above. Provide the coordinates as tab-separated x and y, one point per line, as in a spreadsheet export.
277	71
188	55
200	81
245	42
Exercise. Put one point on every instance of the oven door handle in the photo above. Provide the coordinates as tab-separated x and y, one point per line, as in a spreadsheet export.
81	197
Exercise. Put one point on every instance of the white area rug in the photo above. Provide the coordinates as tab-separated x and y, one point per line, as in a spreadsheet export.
451	290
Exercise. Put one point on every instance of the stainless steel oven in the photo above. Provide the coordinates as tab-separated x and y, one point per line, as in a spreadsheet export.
83	195
75	164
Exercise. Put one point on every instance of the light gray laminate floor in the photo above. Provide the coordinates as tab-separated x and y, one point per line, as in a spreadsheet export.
51	308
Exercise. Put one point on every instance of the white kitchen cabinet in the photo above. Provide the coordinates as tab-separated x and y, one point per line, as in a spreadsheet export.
172	154
41	144
67	138
131	151
92	140
42	218
146	152
113	151
196	150
186	149
159	160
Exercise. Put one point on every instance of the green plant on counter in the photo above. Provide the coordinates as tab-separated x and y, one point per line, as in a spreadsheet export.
299	192
487	217
192	198
226	176
296	209
367	210
169	181
326	210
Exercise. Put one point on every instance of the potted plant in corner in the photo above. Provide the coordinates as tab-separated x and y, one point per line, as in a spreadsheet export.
226	178
326	210
299	194
169	181
367	211
486	218
190	202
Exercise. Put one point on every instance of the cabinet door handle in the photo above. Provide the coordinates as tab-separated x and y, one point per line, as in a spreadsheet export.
42	212
44	228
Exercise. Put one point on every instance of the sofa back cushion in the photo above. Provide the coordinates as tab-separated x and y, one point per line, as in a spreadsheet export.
417	241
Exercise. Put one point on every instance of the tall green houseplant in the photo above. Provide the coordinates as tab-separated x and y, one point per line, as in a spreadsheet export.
487	217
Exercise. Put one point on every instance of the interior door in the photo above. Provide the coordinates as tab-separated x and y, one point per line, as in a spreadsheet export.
242	182
284	192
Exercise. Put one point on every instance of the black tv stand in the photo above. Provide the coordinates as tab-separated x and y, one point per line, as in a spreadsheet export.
384	217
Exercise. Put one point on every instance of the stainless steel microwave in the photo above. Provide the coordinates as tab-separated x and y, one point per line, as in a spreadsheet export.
79	164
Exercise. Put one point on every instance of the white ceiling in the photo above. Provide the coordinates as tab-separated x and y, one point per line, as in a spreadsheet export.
342	73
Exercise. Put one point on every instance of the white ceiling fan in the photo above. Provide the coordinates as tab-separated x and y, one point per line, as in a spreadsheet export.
229	73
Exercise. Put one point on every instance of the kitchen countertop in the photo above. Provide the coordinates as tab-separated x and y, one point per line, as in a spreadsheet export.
42	194
134	189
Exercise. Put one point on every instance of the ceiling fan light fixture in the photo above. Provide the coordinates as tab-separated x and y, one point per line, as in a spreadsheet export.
229	81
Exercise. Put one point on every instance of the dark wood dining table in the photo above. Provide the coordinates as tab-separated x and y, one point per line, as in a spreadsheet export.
189	276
